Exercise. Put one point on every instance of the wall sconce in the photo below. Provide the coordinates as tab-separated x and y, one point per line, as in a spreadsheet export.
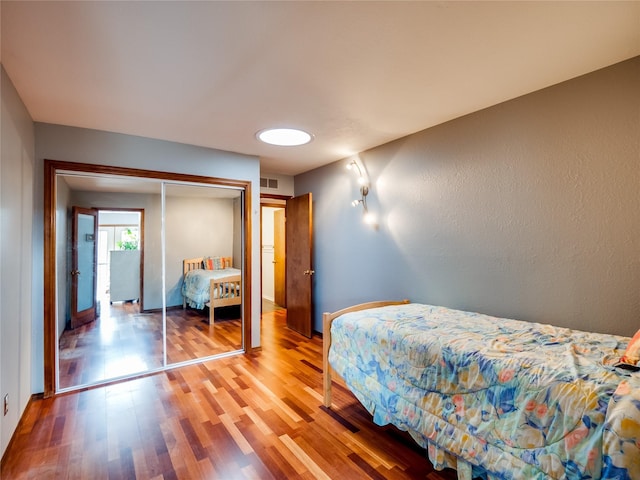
368	217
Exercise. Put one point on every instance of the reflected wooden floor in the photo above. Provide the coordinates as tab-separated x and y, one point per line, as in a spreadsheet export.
124	341
257	416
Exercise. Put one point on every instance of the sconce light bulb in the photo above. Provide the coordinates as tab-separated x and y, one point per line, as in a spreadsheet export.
350	165
369	218
361	180
355	203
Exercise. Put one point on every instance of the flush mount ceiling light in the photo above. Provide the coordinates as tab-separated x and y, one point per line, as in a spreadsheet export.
284	137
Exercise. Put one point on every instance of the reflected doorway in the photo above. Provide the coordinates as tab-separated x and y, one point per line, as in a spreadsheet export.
120	253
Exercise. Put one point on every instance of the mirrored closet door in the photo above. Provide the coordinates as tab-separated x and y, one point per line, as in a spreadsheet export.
160	261
203	268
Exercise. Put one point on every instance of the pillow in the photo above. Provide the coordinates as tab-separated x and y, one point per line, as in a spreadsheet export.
212	263
632	353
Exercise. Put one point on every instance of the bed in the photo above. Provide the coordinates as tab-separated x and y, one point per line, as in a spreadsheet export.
211	282
493	398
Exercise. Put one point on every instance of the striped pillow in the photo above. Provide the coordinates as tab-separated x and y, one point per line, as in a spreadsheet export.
213	263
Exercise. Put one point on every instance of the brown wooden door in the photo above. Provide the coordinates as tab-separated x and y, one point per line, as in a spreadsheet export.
299	271
279	273
84	262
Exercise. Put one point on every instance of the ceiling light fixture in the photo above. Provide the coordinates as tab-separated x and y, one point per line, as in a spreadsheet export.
284	137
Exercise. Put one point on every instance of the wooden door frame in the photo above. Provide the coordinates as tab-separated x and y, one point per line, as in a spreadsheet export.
273	201
54	167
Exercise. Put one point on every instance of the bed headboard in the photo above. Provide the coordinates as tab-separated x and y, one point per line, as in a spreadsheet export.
197	263
189	264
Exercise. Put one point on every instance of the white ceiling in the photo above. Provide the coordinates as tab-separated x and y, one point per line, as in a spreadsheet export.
355	74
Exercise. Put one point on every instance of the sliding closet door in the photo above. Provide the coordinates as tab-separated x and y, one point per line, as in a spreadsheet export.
201	227
124	336
181	217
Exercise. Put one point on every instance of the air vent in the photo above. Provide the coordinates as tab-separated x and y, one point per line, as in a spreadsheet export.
269	183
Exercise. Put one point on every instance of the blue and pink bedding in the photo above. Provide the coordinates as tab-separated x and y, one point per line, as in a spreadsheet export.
493	397
195	287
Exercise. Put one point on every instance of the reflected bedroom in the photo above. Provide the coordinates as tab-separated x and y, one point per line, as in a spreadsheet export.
149	275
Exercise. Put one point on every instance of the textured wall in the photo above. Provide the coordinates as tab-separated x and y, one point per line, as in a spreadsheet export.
16	206
529	209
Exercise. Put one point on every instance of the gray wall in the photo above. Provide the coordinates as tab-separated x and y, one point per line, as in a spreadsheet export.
529	209
16	207
57	142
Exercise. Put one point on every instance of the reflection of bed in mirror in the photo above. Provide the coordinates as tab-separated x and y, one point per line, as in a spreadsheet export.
211	282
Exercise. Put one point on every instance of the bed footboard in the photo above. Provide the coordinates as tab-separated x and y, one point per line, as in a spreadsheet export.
327	320
224	292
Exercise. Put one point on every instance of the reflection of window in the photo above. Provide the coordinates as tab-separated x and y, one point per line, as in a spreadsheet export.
103	250
128	239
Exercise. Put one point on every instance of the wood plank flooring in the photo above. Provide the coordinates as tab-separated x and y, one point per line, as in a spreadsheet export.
257	416
123	341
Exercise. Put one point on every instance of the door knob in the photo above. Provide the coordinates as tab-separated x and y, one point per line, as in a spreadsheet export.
309	272
75	272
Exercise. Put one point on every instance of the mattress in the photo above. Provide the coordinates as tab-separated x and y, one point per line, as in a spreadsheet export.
505	398
195	287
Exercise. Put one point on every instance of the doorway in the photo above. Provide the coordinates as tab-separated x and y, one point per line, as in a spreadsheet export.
286	240
120	252
273	257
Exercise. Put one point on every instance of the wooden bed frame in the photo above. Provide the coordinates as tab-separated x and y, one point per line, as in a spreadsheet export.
218	289
327	320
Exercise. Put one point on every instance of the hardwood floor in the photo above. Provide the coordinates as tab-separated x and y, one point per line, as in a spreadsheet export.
123	341
257	416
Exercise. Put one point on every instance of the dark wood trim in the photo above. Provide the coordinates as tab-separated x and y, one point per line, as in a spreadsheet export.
54	167
62	167
274	197
50	367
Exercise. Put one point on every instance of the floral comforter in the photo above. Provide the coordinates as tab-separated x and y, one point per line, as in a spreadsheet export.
195	287
496	398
